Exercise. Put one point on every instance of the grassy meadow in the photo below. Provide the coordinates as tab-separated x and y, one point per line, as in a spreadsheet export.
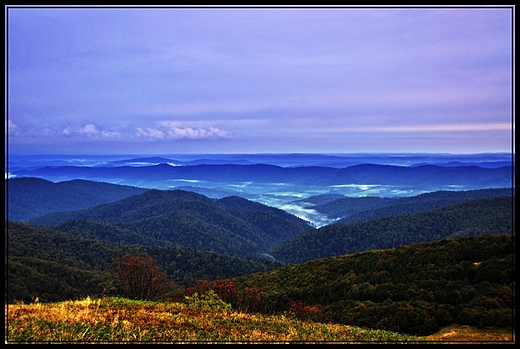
113	319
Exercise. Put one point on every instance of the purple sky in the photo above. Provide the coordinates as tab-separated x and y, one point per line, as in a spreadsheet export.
258	80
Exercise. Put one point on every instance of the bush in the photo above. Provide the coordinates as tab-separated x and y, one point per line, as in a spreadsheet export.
206	301
303	311
140	277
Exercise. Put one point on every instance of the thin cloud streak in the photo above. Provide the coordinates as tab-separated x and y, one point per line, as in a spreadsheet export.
90	132
436	128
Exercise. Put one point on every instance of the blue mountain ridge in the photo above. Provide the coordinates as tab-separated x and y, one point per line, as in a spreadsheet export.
471	177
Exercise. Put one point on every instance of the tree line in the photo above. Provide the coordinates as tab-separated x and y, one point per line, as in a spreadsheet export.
415	289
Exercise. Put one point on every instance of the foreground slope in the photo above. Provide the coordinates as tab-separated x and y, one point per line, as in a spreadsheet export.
117	320
473	217
415	289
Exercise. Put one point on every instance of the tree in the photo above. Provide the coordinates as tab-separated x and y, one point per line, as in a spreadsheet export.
140	278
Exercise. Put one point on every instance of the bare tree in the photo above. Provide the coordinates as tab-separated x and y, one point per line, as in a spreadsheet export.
140	277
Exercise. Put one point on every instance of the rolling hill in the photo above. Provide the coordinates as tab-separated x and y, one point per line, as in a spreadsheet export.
353	209
54	265
30	197
415	289
425	202
473	217
230	225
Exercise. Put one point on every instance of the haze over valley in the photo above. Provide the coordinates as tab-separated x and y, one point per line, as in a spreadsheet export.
291	182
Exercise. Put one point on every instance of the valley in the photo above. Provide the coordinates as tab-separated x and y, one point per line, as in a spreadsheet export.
280	180
293	233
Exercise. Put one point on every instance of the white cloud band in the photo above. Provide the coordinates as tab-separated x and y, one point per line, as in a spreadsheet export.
91	131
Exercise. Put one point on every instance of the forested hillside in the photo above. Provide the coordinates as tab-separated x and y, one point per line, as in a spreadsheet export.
231	225
30	197
473	217
352	209
414	289
408	265
52	265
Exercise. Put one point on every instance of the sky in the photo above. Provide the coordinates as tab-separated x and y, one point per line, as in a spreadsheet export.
149	80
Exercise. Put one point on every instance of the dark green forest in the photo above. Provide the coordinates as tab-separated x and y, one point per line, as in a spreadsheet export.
414	289
32	197
52	265
472	217
232	225
406	205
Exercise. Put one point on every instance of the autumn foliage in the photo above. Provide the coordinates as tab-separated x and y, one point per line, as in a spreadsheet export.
140	278
250	299
304	311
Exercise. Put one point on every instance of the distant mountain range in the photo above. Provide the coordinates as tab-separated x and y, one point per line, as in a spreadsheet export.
277	180
321	160
164	175
488	160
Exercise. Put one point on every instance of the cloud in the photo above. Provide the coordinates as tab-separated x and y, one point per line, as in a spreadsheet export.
171	131
198	133
162	132
89	130
148	132
10	128
437	128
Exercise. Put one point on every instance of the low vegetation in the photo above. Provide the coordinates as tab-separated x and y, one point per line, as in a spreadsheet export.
195	320
200	319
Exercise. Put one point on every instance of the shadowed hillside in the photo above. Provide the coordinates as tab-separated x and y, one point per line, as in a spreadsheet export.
30	197
415	289
53	265
352	209
231	225
473	217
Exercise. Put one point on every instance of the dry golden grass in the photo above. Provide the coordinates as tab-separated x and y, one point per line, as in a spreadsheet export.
470	334
121	320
